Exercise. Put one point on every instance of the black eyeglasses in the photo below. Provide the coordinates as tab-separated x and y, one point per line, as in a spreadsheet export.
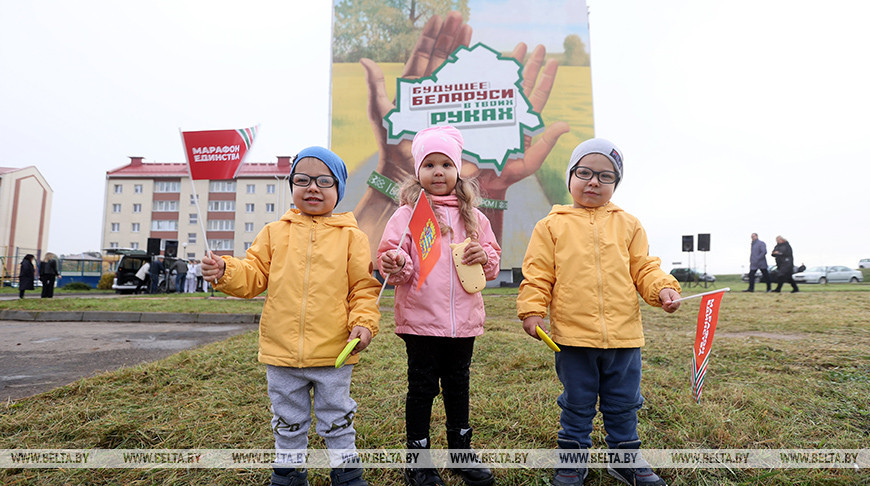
304	180
604	176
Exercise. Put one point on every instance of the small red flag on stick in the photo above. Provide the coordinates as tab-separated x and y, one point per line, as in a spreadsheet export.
707	318
426	235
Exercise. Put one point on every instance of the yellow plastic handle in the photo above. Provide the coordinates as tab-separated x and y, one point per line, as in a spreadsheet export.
546	339
345	353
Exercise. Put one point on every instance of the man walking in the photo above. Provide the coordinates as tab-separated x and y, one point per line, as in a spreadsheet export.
758	261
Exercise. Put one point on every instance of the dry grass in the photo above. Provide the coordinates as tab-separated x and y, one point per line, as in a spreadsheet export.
787	371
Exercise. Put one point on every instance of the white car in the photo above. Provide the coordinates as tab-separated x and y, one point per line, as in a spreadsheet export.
824	275
864	263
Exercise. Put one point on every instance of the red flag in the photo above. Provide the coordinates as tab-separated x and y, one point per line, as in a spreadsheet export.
426	236
217	154
707	318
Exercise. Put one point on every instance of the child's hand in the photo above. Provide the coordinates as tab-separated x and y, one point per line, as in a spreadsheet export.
392	261
213	268
531	322
667	297
474	253
364	335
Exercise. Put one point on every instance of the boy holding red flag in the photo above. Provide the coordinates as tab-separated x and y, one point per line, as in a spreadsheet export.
317	268
586	264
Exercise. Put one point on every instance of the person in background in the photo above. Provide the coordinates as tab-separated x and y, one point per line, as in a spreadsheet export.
190	281
47	274
180	268
26	274
143	275
198	271
157	269
757	261
784	263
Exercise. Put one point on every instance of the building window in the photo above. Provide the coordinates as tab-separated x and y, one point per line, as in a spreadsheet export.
166	206
270	188
221	225
113	244
191	256
270	207
222	206
222	186
164	225
134	227
118	188
192	218
116	208
167	186
194	200
116	227
251	188
220	245
191	237
137	208
249	207
249	227
247	245
134	245
137	188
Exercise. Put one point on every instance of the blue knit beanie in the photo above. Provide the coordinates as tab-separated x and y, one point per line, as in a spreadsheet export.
332	161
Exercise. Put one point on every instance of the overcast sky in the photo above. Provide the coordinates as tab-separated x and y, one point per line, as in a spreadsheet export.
734	117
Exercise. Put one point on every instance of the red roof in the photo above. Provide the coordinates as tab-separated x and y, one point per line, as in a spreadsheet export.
180	170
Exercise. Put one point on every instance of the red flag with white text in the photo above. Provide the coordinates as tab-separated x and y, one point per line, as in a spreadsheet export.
426	236
217	154
708	316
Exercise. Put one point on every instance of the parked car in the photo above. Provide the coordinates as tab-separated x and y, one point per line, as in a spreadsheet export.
773	272
689	275
864	263
824	275
125	281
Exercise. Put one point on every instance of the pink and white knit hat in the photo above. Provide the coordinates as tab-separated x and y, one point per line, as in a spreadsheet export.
444	139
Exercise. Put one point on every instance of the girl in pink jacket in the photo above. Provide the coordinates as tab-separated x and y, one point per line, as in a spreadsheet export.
439	321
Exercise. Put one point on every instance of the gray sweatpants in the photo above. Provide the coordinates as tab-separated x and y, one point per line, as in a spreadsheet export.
290	393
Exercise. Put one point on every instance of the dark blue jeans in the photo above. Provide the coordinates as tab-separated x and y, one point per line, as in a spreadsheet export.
433	360
610	377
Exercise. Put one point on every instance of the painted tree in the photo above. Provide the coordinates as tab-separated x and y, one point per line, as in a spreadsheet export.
575	51
384	30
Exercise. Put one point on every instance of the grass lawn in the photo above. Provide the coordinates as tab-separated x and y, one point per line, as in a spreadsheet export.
787	371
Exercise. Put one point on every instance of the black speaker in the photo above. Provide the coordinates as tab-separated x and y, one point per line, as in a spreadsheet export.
171	249
688	242
703	241
153	246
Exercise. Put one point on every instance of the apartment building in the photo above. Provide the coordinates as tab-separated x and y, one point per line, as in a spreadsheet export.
156	200
25	214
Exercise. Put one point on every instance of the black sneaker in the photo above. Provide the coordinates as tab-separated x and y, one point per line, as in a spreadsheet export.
477	475
347	477
423	477
570	477
641	475
289	477
636	476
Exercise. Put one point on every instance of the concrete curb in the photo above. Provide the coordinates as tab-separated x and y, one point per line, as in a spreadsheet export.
146	317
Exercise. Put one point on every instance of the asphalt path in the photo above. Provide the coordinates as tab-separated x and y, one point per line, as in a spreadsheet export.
38	356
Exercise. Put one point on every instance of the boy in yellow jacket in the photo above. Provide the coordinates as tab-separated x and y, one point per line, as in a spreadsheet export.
317	269
585	264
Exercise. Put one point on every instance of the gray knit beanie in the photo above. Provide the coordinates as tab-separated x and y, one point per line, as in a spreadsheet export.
596	146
